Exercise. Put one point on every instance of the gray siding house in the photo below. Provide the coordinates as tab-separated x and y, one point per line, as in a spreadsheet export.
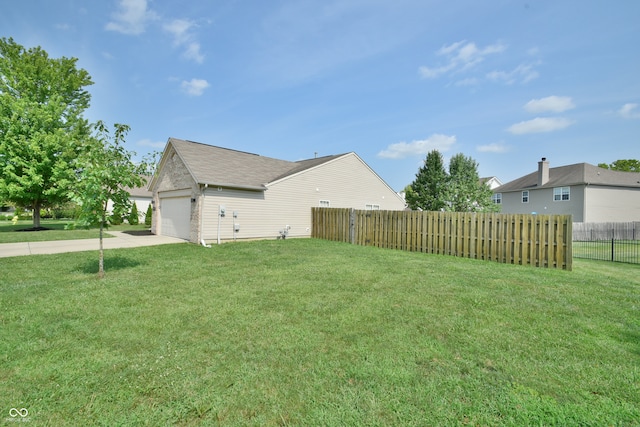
206	194
589	193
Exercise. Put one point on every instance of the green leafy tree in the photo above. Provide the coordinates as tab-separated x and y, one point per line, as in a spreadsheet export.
104	172
42	129
148	216
465	192
133	215
428	190
460	190
623	165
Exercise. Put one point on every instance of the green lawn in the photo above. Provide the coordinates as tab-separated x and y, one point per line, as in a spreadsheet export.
623	250
310	332
10	233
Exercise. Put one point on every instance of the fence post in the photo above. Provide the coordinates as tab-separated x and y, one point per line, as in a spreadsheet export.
352	226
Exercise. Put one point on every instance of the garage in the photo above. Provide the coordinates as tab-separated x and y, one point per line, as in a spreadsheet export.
175	217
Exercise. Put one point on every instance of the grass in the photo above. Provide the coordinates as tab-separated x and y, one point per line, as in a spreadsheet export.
311	332
10	233
623	250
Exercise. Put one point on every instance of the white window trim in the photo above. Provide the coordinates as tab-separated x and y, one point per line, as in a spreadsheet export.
560	193
497	198
527	196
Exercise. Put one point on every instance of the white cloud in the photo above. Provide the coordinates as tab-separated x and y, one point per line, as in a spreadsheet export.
460	56
194	87
180	29
471	81
628	111
555	104
540	124
401	150
496	147
523	72
131	18
150	143
193	52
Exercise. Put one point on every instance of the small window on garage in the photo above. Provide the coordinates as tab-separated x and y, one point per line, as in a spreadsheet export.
525	196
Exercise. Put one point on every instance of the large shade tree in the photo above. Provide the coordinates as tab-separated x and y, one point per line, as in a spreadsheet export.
465	192
623	165
42	129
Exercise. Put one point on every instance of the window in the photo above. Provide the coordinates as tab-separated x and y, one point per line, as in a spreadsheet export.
372	207
561	194
525	197
325	203
497	198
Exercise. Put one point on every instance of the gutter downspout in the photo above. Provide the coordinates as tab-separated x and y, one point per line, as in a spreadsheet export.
202	242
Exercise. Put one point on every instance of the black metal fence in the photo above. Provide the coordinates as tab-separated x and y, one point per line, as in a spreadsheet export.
608	241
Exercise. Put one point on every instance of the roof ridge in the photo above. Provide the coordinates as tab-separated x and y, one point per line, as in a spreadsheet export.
215	146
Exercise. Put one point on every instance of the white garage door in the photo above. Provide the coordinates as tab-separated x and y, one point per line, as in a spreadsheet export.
175	214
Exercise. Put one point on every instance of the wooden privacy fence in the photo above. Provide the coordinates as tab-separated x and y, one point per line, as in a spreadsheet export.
592	231
536	240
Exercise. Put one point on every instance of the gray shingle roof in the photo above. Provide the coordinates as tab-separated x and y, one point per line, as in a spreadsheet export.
223	167
577	174
141	191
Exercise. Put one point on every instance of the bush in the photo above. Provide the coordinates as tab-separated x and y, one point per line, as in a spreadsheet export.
133	215
116	218
67	211
148	216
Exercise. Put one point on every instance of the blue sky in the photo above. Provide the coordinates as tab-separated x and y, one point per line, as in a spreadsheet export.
505	82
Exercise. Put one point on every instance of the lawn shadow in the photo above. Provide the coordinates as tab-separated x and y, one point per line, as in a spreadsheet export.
111	263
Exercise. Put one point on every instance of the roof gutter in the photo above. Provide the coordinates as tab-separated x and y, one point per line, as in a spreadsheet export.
235	186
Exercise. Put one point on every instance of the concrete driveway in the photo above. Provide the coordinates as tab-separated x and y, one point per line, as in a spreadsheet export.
120	239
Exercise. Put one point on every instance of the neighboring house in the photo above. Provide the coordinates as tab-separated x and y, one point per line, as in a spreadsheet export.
492	182
203	193
589	193
141	196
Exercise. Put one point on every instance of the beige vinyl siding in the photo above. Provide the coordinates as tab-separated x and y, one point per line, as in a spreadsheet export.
246	203
345	182
612	204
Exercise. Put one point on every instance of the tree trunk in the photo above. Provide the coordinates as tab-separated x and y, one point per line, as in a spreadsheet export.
101	260
36	214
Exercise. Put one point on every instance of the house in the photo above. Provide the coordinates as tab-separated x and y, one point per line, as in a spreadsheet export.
589	193
491	181
141	196
204	193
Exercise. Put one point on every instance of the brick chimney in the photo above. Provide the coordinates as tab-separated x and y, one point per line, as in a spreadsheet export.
543	172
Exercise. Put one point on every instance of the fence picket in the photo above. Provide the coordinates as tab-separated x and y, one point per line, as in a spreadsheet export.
536	240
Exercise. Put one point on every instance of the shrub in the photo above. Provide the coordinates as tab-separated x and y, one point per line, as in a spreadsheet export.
148	216
133	215
116	218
